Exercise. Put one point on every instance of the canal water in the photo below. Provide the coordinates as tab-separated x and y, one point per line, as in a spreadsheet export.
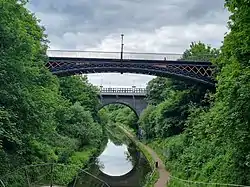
120	164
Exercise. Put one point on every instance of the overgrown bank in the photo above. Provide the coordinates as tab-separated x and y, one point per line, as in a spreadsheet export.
42	118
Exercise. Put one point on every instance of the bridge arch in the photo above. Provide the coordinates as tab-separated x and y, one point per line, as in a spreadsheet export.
134	98
121	103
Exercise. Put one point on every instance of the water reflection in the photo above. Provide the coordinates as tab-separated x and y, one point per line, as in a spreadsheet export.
120	165
115	160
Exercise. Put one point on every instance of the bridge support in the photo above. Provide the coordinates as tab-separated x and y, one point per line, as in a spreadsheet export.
132	98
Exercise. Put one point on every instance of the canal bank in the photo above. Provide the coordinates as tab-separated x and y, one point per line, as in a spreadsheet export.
159	176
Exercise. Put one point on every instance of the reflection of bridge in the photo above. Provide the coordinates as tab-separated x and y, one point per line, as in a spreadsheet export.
196	69
134	98
129	178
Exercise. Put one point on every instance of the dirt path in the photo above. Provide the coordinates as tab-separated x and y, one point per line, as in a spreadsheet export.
163	173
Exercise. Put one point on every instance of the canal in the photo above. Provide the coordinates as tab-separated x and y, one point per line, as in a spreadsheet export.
120	164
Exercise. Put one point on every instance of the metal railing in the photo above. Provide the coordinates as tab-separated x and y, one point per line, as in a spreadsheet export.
126	55
123	90
43	174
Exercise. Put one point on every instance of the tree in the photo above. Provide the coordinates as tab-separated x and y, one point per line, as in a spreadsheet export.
78	89
200	52
155	91
173	97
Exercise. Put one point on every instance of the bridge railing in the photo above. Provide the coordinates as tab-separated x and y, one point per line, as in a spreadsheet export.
126	55
178	182
123	90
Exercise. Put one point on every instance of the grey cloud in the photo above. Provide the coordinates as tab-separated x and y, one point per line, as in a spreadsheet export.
200	8
207	11
105	16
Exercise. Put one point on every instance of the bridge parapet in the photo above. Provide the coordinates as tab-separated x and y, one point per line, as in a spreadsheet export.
123	91
126	55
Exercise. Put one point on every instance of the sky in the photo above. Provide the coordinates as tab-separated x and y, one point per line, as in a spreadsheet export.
157	26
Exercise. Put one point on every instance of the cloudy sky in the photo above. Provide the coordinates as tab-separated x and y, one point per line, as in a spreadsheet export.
167	26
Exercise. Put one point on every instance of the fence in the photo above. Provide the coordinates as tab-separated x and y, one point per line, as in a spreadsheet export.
177	182
43	174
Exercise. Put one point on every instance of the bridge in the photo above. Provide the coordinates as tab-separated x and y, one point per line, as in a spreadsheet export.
195	69
133	97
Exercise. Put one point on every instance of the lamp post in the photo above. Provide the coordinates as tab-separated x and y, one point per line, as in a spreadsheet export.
122	46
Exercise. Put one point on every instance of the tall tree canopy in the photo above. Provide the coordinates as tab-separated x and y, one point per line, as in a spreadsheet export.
172	98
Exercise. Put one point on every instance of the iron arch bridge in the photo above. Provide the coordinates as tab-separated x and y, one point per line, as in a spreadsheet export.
196	69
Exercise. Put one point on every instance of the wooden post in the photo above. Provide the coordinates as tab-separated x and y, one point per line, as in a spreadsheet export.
51	175
75	180
27	176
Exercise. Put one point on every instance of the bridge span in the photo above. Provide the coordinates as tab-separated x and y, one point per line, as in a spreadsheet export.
134	98
195	69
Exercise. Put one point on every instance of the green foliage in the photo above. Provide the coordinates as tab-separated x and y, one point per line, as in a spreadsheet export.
146	122
155	94
83	92
42	119
168	117
76	122
118	113
200	51
172	98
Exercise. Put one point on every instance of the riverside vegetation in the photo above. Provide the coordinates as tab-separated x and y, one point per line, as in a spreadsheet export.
204	135
42	118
